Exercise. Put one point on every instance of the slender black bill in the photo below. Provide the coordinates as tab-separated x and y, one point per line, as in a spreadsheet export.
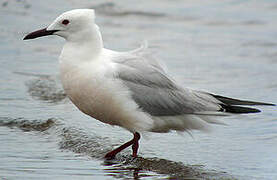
39	33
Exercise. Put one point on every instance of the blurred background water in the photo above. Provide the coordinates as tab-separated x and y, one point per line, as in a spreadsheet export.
227	47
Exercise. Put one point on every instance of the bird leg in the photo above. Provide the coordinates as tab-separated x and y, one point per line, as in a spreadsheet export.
135	145
133	142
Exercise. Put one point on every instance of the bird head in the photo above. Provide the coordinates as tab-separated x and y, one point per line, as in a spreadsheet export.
74	24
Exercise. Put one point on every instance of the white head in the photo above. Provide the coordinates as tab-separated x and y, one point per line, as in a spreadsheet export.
74	25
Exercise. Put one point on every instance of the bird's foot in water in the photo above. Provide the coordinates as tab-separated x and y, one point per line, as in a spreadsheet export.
133	142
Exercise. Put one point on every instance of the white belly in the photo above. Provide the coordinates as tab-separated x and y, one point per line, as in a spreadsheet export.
104	98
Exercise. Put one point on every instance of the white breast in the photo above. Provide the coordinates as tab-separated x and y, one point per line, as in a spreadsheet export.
92	88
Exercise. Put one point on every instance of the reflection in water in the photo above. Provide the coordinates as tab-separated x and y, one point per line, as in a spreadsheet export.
127	172
124	166
27	125
46	89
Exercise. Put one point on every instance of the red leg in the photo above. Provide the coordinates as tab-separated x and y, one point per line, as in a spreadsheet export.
135	145
133	142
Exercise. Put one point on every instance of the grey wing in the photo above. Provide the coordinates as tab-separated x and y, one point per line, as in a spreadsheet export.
155	92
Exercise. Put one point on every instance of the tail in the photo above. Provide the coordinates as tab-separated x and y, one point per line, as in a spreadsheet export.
231	105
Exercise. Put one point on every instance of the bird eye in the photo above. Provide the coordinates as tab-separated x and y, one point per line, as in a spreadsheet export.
65	22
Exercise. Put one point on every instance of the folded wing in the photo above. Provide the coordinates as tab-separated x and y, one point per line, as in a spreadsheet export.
157	94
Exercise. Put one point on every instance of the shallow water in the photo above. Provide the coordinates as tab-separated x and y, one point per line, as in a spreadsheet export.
224	47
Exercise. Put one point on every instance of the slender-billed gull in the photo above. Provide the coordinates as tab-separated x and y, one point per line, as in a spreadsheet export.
129	89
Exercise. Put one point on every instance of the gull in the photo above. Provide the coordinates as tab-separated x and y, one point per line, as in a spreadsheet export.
129	89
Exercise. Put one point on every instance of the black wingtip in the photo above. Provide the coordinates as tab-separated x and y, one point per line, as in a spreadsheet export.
239	109
232	101
26	37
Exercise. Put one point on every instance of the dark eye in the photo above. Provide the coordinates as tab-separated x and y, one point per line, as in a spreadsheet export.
65	22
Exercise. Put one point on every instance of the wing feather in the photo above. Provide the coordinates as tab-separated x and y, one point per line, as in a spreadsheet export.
155	92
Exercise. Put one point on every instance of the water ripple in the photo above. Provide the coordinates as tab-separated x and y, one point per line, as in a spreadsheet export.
124	166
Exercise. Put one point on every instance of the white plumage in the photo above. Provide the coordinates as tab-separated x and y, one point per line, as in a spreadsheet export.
128	89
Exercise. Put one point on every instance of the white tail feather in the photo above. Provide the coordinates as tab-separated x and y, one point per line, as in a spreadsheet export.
183	123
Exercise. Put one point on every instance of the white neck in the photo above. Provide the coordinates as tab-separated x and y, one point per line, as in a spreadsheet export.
83	46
